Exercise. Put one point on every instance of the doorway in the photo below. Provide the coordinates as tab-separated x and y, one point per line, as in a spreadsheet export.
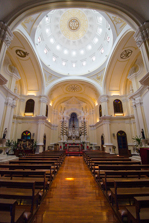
122	143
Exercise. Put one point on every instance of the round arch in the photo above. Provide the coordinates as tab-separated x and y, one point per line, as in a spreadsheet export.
25	10
74	78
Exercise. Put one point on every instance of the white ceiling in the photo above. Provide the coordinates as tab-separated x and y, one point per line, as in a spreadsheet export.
73	41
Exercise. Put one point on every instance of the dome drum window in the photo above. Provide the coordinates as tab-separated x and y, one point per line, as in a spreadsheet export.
29	108
118	107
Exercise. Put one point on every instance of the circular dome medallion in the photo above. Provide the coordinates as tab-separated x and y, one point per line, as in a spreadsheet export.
73	88
73	24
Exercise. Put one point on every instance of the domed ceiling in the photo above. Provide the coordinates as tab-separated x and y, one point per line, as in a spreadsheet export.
73	41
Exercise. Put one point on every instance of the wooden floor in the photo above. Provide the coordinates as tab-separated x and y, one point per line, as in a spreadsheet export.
74	197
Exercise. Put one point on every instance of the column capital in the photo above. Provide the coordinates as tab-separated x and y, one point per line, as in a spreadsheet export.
9	101
6	34
103	98
43	99
142	34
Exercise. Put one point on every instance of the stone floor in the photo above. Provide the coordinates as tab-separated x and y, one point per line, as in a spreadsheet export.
75	197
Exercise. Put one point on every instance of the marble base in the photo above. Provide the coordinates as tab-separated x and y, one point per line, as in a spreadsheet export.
5	158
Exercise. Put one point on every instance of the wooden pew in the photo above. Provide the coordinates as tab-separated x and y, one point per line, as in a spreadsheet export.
9	212
19	189
94	165
110	176
127	189
102	168
41	182
46	167
140	212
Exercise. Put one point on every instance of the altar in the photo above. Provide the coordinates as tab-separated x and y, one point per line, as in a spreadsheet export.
73	147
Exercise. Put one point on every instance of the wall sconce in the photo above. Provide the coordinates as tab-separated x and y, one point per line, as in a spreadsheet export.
113	135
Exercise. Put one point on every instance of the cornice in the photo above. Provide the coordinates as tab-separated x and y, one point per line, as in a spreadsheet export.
3	80
145	80
139	92
9	93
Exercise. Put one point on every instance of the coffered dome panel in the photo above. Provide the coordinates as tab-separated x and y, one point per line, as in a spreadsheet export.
73	41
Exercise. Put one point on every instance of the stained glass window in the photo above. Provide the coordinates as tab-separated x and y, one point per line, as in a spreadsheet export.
118	108
26	135
30	106
100	110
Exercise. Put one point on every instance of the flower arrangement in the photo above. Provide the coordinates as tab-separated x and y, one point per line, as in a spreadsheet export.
137	141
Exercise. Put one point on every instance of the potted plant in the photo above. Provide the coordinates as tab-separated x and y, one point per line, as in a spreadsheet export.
137	141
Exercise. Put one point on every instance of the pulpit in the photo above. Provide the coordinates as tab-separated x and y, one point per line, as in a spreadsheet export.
144	153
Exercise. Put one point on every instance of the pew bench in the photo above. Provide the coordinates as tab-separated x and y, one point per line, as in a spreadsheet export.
140	212
9	213
110	176
127	189
41	181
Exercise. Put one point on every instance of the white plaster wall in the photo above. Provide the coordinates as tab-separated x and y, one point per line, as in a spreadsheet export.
2	103
146	109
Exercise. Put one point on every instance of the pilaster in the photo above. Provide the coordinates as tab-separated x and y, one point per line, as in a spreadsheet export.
6	37
142	40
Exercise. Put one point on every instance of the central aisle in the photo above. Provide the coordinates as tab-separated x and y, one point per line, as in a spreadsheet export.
74	197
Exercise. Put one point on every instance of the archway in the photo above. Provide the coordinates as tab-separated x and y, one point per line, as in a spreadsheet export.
122	143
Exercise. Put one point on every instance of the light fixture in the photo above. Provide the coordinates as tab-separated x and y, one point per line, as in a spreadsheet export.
45	51
89	47
47	30
82	51
93	58
39	39
102	50
58	47
108	38
99	31
47	18
69	178
52	40
63	63
95	40
118	114
73	53
73	64
54	59
84	63
65	51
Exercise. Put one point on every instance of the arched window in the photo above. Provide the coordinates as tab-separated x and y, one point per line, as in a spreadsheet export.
26	135
47	111
118	108
100	111
30	106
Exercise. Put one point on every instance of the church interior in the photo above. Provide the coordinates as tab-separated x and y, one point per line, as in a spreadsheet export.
74	81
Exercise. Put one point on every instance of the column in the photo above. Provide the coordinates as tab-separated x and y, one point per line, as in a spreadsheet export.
141	37
6	37
104	104
43	101
7	113
106	128
139	112
11	119
40	134
22	106
136	118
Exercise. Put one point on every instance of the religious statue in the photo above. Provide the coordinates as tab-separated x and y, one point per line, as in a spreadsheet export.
5	133
142	132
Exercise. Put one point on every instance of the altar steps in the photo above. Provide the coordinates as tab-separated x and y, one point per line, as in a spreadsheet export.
74	153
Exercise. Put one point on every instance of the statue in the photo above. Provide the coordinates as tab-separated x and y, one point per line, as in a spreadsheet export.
142	132
5	133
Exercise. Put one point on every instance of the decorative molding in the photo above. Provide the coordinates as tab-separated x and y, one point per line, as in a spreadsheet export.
43	99
145	80
142	34
103	98
139	92
6	34
3	80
